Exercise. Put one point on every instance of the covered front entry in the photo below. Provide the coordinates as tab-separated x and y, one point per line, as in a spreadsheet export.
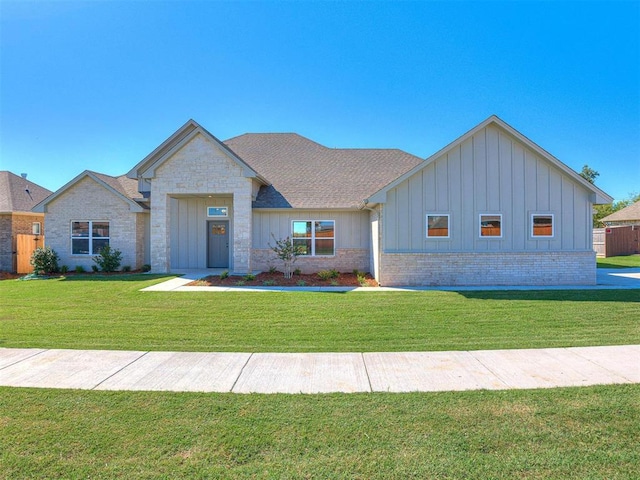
218	244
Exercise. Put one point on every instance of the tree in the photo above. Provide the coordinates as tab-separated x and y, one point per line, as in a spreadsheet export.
287	252
589	174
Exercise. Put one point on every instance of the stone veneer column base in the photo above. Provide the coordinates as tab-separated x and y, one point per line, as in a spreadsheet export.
345	260
488	268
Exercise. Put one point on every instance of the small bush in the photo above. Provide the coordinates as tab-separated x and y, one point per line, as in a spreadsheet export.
108	259
297	271
334	283
269	283
80	269
146	267
95	268
240	283
328	274
356	272
64	269
126	268
362	280
224	275
301	283
44	261
249	277
272	269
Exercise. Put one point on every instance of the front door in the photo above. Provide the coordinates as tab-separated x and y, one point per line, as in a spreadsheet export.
218	244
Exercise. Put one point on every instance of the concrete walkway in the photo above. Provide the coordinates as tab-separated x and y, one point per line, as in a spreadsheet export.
319	372
607	279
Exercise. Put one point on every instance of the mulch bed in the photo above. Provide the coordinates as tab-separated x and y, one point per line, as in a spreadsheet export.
277	279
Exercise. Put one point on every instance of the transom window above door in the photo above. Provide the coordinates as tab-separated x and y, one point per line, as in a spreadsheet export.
217	211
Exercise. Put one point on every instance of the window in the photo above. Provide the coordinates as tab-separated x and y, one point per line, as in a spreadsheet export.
437	226
35	228
315	237
541	225
491	225
88	238
217	212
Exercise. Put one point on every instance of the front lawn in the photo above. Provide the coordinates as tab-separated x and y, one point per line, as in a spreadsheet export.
589	432
623	261
111	313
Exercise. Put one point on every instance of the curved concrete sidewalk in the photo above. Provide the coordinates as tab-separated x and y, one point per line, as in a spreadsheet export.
606	279
319	372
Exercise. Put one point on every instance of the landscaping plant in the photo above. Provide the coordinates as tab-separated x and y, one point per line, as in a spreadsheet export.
44	261
286	251
108	259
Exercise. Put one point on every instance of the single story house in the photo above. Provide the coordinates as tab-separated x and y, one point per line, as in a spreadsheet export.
491	208
18	196
629	215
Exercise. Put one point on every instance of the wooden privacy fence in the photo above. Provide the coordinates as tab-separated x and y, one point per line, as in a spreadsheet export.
24	246
616	240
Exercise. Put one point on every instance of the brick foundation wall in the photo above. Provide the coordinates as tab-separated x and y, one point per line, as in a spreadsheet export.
345	260
499	268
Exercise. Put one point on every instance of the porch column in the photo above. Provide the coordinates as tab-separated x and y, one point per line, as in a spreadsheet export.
242	224
159	229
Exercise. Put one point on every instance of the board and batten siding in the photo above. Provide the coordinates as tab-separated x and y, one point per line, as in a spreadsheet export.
188	219
351	227
491	172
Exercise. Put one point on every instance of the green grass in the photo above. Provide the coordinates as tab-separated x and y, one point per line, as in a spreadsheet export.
589	432
623	261
111	313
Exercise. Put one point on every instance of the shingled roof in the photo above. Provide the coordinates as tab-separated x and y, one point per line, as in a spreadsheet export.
122	184
627	214
18	194
305	174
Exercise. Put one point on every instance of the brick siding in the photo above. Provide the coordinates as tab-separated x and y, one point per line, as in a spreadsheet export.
345	260
496	268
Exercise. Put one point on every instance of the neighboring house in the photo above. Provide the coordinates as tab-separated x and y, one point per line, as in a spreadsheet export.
17	197
491	208
629	215
622	234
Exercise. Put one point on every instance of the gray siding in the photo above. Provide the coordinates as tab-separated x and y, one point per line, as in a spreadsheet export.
493	173
188	219
352	227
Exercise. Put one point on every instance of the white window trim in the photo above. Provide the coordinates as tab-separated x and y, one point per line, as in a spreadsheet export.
553	225
434	214
313	237
90	237
218	216
486	237
36	228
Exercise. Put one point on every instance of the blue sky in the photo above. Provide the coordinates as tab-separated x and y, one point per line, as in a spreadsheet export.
99	85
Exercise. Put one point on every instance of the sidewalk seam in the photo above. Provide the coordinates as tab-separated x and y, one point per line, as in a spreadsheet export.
241	372
26	358
118	371
366	371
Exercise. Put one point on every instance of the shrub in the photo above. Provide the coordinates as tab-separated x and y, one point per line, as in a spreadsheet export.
272	269
297	271
95	268
240	283
249	277
269	283
146	267
224	275
362	280
64	269
108	259
328	274
44	261
301	283
80	269
126	268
